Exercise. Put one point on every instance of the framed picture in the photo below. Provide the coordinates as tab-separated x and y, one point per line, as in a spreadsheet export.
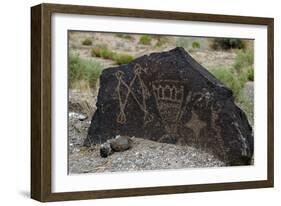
132	102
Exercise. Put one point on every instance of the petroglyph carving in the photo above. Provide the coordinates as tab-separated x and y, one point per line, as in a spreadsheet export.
196	125
168	91
121	118
203	99
215	117
172	86
169	96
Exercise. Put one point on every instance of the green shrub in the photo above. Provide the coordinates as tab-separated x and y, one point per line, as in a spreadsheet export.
242	68
123	58
145	40
87	42
243	59
195	45
102	52
108	54
227	43
236	82
250	74
83	70
246	105
243	64
96	52
236	77
229	79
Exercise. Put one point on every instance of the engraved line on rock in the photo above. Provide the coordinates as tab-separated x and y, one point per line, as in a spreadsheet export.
169	97
119	75
196	125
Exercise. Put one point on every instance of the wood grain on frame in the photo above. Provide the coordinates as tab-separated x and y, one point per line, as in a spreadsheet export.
41	101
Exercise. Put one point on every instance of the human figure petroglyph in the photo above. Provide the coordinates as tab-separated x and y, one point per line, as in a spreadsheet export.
121	118
196	125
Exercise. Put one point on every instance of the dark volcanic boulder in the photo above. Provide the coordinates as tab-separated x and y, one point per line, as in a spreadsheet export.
169	97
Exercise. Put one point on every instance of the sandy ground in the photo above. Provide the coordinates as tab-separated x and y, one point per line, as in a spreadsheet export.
208	58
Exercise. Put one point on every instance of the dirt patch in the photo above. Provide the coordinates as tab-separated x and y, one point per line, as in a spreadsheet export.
208	58
144	155
214	59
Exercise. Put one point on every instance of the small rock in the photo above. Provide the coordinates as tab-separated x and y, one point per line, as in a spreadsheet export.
105	150
82	117
121	143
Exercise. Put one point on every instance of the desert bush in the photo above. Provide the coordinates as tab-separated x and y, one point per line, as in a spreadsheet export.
243	59
229	79
243	64
242	70
236	83
123	58
83	70
233	80
108	54
145	40
102	52
227	43
236	77
250	74
96	52
87	42
195	45
246	105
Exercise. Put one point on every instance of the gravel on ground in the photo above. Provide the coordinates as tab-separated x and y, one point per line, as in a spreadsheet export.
143	155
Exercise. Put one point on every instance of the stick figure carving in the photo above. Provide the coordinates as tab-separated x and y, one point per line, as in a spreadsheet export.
121	118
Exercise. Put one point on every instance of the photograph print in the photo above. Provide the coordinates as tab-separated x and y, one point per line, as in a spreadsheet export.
139	102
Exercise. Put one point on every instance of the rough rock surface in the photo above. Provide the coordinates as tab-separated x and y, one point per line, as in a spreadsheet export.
169	97
120	143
